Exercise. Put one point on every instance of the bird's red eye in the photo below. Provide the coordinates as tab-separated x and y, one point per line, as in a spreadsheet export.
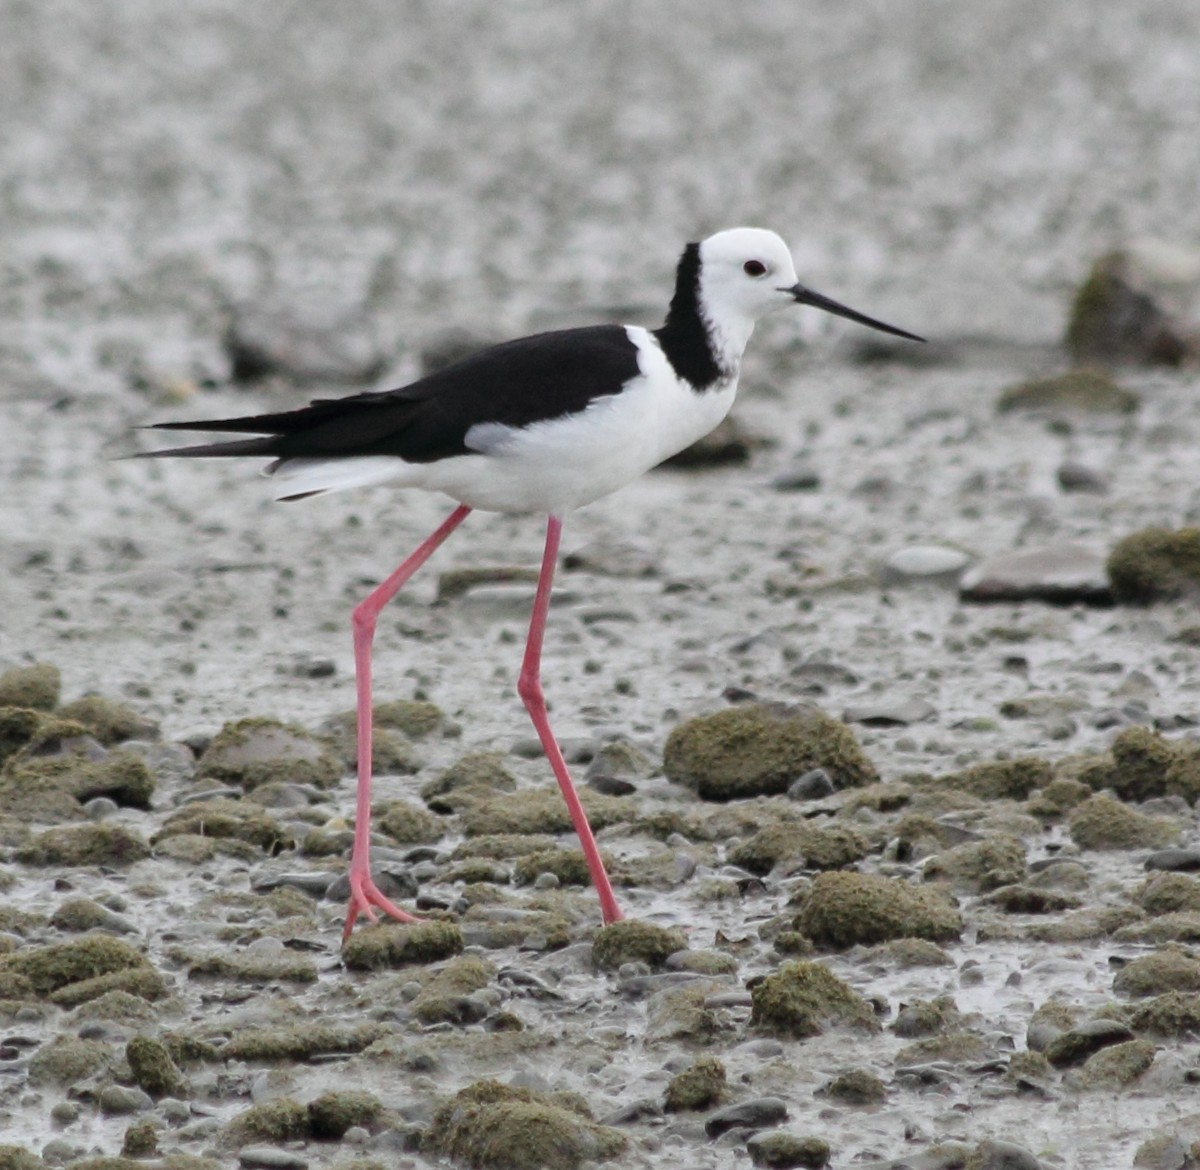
754	268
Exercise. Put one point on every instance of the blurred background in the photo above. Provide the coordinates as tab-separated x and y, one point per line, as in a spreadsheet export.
388	169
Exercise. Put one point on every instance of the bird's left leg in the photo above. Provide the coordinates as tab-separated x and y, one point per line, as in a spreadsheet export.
363	892
529	686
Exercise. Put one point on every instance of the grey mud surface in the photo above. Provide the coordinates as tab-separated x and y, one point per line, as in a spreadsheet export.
502	168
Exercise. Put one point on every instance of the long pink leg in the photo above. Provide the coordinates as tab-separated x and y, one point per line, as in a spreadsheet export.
363	892
529	686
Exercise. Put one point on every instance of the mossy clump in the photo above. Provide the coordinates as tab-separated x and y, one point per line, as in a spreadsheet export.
68	1059
952	1047
981	865
1118	1066
141	1140
280	1120
759	749
632	941
813	846
1170	969
1155	564
857	1086
301	1041
846	909
35	687
471	778
542	811
1145	764
407	823
250	752
683	1013
801	999
400	945
284	967
698	1087
56	785
18	726
153	1069
776	1149
1169	893
119	1007
1104	823
1076	390
19	1158
926	1017
569	866
90	844
1174	1015
1000	779
332	1113
442	995
79	915
503	846
109	721
490	1126
226	819
416	718
49	969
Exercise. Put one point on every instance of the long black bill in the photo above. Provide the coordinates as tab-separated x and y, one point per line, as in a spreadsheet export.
806	296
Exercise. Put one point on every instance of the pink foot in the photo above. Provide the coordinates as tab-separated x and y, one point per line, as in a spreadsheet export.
364	894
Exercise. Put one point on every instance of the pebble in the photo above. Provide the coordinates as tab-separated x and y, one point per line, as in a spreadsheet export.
392	883
118	1100
890	713
757	1113
1176	860
813	785
801	478
271	1158
994	1155
1076	1044
1078	477
1063	575
923	562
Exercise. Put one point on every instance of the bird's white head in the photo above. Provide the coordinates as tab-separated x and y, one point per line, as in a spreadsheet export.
746	273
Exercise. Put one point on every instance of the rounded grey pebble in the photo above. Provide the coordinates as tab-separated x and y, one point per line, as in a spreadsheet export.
117	1100
546	881
65	1112
271	1158
812	785
994	1155
757	1113
100	807
174	1111
59	1150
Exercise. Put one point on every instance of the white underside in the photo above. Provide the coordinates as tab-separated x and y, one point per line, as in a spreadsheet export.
553	466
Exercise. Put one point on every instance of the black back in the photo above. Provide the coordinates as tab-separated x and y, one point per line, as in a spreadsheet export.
517	383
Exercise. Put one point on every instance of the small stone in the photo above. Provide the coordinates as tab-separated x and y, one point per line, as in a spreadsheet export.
270	1158
857	1087
813	785
1078	477
890	713
994	1155
779	1150
118	1100
757	1113
1087	391
1176	860
801	478
923	562
1062	576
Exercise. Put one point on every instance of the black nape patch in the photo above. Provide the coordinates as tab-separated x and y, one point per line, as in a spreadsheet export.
684	335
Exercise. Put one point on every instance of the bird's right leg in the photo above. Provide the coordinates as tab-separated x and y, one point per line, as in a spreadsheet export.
363	892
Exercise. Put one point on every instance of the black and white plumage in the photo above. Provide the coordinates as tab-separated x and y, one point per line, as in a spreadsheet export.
545	423
550	422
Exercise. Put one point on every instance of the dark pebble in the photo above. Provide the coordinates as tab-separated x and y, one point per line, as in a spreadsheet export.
757	1113
1077	1044
393	884
1077	477
812	785
1177	860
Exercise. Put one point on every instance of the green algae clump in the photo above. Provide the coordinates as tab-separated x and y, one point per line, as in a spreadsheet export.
250	752
698	1087
815	846
1155	564
1170	969
1082	390
408	824
759	749
399	945
857	1086
1146	764
1175	1015
56	966
632	941
66	1060
845	909
35	687
90	844
471	778
221	818
280	1120
490	1126
153	1069
569	866
1104	823
801	999
332	1113
109	721
1000	779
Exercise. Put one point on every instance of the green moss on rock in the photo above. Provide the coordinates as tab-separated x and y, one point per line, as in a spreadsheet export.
66	1060
36	687
225	819
1169	893
542	811
56	785
1117	1067
492	1127
829	846
474	777
1076	390
250	752
109	721
153	1069
1155	564
1000	779
569	866
19	1158
632	941
845	909
51	968
1174	1015
399	945
981	865
280	1120
857	1086
1104	823
1170	969
759	749
801	999
408	824
90	844
700	1086
331	1114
